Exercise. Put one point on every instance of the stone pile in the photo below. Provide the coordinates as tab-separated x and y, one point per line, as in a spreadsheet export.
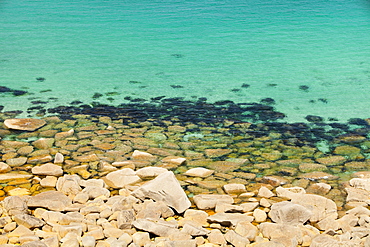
84	182
157	212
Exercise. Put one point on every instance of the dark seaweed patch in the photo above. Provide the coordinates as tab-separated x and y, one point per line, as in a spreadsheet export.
112	93
202	99
272	85
264	118
268	101
224	102
332	119
38	102
34	108
314	119
15	92
13	113
174	100
76	102
176	86
41	112
362	131
340	126
304	88
357	121
170	108
5	89
40	79
335	132
97	95
138	100
177	55
323	100
157	98
19	92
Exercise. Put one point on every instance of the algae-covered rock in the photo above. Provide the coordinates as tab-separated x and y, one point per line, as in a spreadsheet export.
349	151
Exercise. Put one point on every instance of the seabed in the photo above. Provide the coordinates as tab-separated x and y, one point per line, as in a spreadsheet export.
247	144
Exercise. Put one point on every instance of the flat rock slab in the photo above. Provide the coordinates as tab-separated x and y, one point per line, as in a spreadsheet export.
326	240
320	206
234	188
160	228
360	183
16	162
52	200
209	201
15	205
36	243
289	213
357	195
48	169
28	124
194	230
289	192
12	176
235	239
95	191
277	231
199	172
4	167
121	178
165	188
28	221
150	172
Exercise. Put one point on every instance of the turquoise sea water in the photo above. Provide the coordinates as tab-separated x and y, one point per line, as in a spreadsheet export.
311	57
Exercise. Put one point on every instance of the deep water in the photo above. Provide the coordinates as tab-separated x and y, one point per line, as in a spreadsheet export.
303	58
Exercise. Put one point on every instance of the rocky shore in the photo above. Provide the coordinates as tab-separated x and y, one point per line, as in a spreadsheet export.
97	181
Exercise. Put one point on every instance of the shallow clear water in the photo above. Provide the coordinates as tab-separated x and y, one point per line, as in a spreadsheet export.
191	49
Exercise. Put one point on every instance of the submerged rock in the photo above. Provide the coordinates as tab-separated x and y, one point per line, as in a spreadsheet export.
28	124
12	176
4	167
199	172
48	169
218	156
